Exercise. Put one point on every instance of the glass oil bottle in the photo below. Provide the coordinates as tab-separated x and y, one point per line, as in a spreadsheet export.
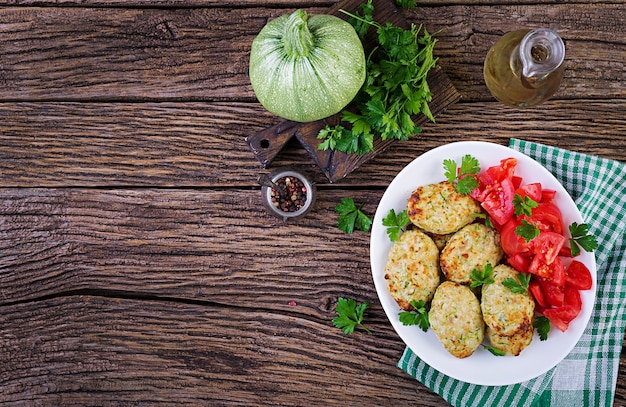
524	67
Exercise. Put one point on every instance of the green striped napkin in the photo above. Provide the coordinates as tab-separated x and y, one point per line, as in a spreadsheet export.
588	375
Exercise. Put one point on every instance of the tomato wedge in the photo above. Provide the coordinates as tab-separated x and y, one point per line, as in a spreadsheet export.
566	252
496	190
555	271
519	262
512	244
498	202
563	315
547	195
547	246
547	216
554	295
534	191
535	290
578	276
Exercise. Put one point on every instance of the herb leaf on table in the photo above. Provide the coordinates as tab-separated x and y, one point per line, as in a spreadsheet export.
350	315
351	217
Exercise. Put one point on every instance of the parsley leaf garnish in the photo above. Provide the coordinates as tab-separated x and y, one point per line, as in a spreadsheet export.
494	351
542	324
481	277
418	317
519	285
464	177
527	230
349	315
581	238
395	223
406	3
351	216
341	139
523	205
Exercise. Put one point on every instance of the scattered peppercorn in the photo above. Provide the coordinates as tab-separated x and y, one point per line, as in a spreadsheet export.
295	194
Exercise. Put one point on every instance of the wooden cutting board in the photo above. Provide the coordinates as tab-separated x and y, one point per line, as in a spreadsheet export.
266	144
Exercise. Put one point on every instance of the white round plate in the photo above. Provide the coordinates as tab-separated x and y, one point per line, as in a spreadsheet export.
482	367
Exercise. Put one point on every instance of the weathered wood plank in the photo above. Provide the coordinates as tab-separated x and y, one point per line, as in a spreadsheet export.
128	54
202	53
85	350
202	145
260	3
207	245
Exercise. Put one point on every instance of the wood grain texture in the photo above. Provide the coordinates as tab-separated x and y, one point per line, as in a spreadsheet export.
137	266
202	145
107	351
209	245
81	53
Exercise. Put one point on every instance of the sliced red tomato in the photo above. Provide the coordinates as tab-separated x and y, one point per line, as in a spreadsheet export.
573	299
547	195
553	294
535	290
519	262
555	271
547	246
508	167
554	288
493	176
554	315
511	242
578	276
565	252
499	202
563	315
533	191
547	216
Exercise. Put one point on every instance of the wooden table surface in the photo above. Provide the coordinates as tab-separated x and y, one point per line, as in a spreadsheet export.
137	264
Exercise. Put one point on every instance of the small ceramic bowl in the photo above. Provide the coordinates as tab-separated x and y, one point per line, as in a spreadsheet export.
295	197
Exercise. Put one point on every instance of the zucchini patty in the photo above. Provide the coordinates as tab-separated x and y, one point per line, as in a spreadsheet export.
439	208
505	312
470	248
412	269
456	319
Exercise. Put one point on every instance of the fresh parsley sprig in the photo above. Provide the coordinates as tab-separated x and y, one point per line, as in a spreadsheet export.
341	139
523	205
482	277
406	3
350	315
395	222
417	317
351	217
581	238
527	230
542	324
518	285
463	176
395	87
494	351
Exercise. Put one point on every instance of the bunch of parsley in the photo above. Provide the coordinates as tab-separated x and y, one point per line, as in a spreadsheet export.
395	87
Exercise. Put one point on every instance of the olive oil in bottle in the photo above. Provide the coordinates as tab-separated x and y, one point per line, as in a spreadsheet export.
524	67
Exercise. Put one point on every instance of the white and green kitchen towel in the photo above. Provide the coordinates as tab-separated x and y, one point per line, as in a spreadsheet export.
588	375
